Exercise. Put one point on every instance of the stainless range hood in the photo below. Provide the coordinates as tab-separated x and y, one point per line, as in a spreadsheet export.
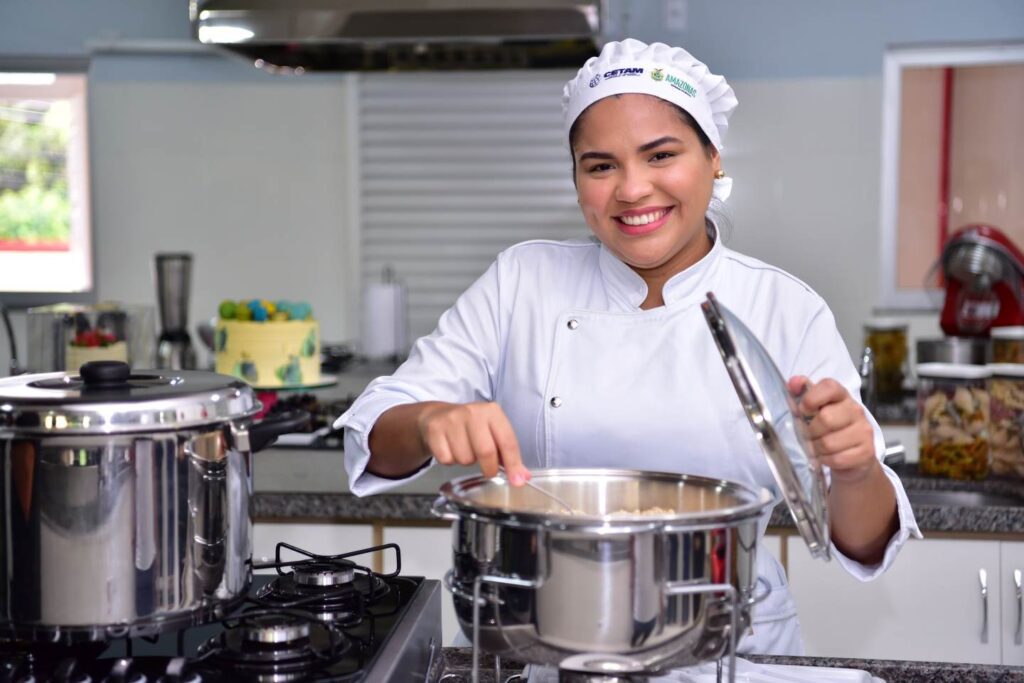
357	35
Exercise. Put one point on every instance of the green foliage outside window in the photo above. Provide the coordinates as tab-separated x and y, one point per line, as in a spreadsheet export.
34	206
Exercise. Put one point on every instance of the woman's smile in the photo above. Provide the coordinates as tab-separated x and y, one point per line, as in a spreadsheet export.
643	221
644	180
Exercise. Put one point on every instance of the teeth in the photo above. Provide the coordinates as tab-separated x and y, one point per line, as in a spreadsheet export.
643	219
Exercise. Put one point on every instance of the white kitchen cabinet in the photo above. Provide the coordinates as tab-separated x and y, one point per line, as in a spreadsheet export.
1012	603
426	551
323	539
928	606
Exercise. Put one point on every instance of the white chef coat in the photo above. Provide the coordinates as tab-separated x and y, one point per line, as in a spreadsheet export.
554	333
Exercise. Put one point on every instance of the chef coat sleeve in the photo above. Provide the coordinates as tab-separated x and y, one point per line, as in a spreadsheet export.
456	363
823	354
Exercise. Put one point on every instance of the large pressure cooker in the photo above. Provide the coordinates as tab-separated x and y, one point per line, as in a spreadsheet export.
126	500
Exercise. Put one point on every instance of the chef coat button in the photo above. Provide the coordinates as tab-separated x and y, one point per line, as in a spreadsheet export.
556	402
573	323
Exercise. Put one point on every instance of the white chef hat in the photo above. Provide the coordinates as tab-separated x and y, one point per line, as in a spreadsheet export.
669	73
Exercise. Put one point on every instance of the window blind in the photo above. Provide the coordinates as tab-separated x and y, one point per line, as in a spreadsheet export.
453	168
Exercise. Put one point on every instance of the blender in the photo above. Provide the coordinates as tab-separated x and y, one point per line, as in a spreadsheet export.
984	270
173	281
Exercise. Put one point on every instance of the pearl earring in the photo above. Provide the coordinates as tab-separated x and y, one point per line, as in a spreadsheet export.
719	174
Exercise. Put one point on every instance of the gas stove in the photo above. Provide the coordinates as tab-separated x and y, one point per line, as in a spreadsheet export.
317	618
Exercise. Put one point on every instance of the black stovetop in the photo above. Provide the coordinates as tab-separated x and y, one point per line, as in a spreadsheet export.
324	619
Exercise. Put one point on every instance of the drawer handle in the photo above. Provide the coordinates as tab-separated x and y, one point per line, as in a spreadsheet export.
1020	605
983	579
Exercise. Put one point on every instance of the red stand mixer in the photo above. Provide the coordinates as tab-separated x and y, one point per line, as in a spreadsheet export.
983	271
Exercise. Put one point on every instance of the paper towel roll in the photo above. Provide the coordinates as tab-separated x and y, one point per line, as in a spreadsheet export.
384	328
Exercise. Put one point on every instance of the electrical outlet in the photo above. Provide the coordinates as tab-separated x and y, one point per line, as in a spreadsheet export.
675	14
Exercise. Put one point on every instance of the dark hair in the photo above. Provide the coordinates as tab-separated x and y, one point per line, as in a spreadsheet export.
684	116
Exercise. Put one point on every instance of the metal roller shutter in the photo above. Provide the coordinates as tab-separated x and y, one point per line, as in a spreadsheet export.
453	168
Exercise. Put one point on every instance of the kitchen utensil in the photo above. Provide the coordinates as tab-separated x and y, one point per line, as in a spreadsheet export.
126	498
173	282
561	503
646	571
775	416
983	270
960	350
62	337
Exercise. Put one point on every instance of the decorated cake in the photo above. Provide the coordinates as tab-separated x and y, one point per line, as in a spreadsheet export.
268	344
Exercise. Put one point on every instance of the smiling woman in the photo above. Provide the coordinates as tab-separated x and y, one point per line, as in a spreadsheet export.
594	353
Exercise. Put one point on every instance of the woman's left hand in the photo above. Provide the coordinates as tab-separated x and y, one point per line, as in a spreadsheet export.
837	426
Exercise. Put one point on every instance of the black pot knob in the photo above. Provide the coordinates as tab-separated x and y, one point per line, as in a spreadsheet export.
105	373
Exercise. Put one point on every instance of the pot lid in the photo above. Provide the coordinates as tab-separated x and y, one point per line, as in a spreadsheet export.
777	423
106	397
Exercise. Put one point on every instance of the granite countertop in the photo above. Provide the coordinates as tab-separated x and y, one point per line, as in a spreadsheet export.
455	666
412	502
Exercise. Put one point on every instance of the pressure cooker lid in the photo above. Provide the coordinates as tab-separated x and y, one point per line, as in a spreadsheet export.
776	421
106	397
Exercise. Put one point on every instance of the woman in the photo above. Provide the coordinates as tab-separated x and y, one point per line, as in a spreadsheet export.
595	352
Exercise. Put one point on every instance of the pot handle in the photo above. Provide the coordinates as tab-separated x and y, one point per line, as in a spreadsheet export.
265	432
441	510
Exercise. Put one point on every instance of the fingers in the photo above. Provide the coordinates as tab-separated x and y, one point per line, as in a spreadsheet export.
483	446
851	463
814	397
508	448
839	431
798	384
474	433
856	435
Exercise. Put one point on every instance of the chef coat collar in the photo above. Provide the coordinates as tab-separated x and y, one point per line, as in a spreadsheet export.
627	289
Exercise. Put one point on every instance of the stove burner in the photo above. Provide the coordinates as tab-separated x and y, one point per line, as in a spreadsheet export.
178	671
335	573
278	646
313	586
274	628
122	672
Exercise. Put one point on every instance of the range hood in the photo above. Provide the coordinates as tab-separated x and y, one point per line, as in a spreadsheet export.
358	35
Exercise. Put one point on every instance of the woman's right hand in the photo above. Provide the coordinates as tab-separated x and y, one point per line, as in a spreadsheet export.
467	433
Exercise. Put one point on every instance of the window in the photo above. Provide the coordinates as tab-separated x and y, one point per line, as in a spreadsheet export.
952	156
45	240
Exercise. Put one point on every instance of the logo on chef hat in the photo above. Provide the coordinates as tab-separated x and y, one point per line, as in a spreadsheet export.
595	80
658	74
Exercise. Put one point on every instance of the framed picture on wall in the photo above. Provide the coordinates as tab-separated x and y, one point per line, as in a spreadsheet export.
952	156
45	217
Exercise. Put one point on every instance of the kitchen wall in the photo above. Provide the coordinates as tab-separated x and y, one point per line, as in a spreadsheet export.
250	171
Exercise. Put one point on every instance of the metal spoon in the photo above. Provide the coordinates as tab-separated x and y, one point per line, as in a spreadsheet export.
545	492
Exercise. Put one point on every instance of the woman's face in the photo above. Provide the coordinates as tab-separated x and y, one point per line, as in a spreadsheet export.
644	182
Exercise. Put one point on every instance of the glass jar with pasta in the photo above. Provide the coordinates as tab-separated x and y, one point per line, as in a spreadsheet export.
953	418
1006	424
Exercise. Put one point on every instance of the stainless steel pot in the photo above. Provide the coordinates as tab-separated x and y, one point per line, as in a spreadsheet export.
630	591
126	500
